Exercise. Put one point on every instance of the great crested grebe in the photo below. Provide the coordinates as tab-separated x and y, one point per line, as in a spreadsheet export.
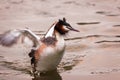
48	51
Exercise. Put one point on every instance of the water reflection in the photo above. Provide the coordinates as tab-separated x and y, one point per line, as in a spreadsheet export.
54	75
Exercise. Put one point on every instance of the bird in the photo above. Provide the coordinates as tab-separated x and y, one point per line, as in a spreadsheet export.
46	52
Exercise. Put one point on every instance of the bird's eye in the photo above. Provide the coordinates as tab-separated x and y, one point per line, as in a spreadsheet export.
66	28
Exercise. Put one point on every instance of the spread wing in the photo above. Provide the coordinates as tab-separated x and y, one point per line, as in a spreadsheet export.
11	37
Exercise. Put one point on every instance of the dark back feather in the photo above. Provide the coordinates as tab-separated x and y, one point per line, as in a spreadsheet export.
49	40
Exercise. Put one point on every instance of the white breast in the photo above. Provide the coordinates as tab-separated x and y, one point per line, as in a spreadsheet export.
49	59
51	56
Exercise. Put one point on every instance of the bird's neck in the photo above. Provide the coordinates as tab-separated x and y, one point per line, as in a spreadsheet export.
58	36
53	32
60	44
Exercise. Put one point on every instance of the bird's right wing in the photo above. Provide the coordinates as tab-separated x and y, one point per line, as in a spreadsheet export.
11	37
50	31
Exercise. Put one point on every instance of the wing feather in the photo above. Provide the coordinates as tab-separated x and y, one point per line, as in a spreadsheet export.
11	37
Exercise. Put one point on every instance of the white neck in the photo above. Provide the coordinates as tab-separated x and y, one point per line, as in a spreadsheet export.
60	40
58	36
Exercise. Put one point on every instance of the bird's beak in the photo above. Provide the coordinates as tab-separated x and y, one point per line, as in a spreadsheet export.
72	29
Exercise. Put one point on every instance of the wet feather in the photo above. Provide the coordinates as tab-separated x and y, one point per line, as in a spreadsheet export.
10	38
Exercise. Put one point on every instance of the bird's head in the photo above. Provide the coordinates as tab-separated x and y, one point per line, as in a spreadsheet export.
64	27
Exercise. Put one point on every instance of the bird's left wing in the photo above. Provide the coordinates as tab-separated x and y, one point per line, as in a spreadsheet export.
11	37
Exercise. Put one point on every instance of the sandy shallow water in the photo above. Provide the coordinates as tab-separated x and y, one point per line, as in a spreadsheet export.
91	54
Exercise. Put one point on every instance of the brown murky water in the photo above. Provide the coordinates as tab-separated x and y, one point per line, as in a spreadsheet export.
92	54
